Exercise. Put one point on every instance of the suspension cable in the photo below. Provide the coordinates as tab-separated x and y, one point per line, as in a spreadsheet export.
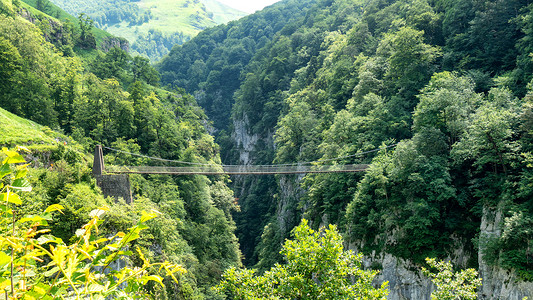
274	165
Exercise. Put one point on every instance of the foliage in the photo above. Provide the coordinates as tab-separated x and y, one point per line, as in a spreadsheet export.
78	270
195	228
444	82
452	285
225	51
87	39
118	64
155	44
317	267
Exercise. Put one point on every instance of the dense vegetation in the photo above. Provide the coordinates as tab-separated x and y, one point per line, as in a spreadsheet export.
106	98
317	267
83	268
435	95
211	64
446	80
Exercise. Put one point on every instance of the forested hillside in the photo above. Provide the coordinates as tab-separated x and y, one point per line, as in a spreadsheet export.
78	102
445	84
211	64
436	96
152	26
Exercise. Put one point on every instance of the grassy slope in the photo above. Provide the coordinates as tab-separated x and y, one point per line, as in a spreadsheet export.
169	16
221	12
15	130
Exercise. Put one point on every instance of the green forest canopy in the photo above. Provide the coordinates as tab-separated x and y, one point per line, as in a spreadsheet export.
448	81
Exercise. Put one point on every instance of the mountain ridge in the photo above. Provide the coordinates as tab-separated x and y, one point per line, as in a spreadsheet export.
153	26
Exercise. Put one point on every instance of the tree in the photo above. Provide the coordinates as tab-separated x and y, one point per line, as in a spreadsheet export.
6	8
87	39
317	267
113	64
452	285
80	270
42	5
489	139
142	70
410	61
10	66
445	104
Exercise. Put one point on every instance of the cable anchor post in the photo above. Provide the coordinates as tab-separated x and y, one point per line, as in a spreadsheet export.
98	164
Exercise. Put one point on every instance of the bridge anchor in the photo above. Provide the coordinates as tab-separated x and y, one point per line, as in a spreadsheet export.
116	186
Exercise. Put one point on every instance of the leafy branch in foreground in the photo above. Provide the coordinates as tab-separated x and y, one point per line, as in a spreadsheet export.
452	285
37	265
317	268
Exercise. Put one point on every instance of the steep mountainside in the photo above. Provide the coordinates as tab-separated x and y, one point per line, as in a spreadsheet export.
153	26
211	64
445	84
50	19
19	131
107	99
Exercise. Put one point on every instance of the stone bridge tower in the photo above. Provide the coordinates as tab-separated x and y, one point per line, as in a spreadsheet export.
116	186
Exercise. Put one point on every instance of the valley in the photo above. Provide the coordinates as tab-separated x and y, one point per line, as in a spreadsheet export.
434	98
153	26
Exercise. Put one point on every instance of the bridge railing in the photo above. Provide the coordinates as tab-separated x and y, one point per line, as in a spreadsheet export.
237	169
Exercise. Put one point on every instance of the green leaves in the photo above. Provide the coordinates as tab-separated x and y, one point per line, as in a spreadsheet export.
21	184
452	285
71	271
317	267
5	170
13	157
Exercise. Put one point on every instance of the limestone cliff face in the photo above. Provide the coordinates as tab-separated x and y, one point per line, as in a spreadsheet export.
288	213
245	141
407	282
52	29
289	185
498	283
404	282
109	43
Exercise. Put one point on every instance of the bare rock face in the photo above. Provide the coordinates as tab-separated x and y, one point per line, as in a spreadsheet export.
52	30
498	283
245	141
114	42
405	280
287	211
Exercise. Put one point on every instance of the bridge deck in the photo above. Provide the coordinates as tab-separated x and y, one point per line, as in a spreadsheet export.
236	170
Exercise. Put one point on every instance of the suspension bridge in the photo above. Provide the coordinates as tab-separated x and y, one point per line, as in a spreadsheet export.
216	169
114	180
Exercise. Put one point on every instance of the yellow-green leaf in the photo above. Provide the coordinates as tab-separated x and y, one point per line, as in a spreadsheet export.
16	159
98	212
5	170
54	207
147	216
4	258
40	288
31	218
4	283
11	198
21	173
155	278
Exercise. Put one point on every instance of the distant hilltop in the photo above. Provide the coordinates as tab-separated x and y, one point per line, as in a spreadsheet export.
153	26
